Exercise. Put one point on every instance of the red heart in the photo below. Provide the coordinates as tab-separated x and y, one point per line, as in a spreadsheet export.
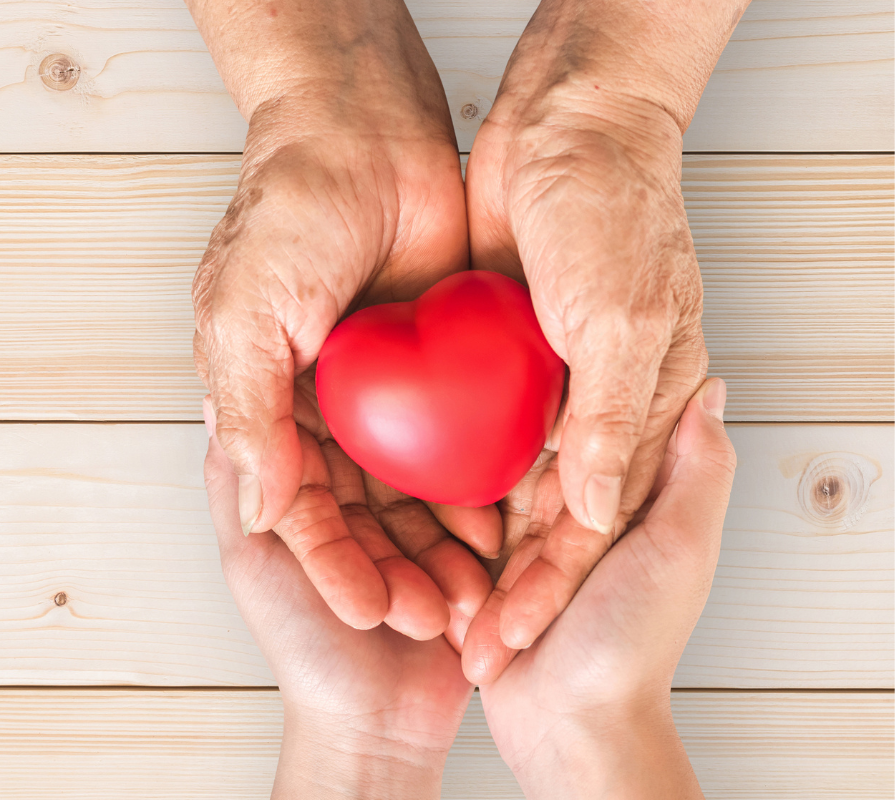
449	397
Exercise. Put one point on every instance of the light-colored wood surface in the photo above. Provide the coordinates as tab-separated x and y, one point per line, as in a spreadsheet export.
799	75
188	745
97	255
114	516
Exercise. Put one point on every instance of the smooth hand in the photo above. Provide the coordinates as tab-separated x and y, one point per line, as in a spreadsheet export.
367	713
585	711
350	194
573	185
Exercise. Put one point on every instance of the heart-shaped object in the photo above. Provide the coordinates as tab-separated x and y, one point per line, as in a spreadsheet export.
448	398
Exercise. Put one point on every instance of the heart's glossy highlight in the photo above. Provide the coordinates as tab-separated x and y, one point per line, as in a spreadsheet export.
448	398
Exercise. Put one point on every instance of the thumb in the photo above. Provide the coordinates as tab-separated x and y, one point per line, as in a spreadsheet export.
221	488
678	541
694	497
614	367
250	377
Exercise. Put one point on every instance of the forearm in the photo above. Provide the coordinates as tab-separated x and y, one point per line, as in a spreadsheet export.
265	49
661	51
636	758
333	764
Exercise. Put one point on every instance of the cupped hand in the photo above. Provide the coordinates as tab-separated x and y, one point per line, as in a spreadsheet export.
599	679
350	194
367	713
583	202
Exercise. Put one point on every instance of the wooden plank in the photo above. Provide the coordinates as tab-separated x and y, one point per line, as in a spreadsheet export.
97	255
796	258
183	745
114	516
800	75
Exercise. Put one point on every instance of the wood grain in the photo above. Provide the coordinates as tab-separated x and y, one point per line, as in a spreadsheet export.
114	516
801	75
183	745
97	255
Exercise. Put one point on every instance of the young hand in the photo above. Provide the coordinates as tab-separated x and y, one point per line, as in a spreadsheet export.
585	711
367	713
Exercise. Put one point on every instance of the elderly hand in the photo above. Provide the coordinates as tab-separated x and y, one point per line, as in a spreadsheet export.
596	218
350	194
367	713
585	711
573	185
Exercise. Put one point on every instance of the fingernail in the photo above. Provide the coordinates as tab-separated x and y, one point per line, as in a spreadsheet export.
492	556
715	397
602	495
249	501
208	414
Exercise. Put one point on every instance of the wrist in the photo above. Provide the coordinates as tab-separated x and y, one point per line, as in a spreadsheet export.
661	52
619	753
564	117
324	52
334	760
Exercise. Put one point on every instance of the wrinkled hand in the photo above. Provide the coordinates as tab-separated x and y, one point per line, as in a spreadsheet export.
367	713
350	194
584	204
592	694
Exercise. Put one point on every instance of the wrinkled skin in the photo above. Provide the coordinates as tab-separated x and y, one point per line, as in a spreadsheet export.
362	203
587	209
350	194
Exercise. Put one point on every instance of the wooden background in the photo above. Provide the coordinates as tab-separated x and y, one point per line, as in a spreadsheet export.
125	670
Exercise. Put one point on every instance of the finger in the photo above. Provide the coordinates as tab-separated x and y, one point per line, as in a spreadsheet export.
678	541
481	528
544	590
485	655
546	587
463	581
222	488
416	606
681	374
614	364
661	479
314	529
249	369
693	501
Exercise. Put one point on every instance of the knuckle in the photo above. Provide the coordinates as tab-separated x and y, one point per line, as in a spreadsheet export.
234	433
720	460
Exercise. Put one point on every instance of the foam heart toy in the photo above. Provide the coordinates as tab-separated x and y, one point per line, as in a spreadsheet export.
448	398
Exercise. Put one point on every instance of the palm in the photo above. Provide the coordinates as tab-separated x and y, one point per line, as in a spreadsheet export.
587	658
397	524
318	228
615	648
377	678
531	512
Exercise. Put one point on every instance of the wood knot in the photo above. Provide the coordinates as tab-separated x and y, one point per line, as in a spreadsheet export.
59	72
60	599
827	492
835	488
469	111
